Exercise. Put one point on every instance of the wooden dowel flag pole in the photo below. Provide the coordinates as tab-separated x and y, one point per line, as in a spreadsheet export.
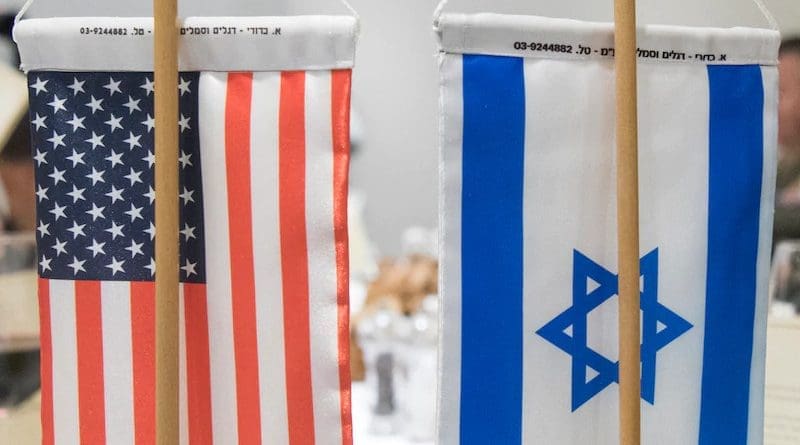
166	240
627	221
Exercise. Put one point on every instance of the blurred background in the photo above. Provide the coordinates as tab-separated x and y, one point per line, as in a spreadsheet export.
394	202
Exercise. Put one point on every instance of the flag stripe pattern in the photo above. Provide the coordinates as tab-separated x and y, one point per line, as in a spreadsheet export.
272	365
451	174
46	359
340	121
263	186
196	355
117	348
222	362
529	342
183	399
294	260
65	372
237	161
737	103
494	121
89	342
319	134
143	329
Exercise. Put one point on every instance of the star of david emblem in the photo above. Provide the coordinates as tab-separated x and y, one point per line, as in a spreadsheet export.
660	326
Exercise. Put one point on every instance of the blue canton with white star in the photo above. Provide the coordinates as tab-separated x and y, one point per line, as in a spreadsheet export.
93	147
584	302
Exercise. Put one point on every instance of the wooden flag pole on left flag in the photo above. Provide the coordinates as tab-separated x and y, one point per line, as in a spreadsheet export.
628	222
165	14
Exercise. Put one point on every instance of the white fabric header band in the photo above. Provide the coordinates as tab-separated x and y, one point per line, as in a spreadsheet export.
531	36
206	43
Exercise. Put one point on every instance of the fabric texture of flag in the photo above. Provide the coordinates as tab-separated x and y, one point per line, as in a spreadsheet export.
264	156
529	278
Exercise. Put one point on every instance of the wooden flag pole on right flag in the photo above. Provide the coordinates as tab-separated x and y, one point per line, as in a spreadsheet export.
166	203
627	222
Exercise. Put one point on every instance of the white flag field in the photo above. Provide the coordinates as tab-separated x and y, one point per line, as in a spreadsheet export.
529	277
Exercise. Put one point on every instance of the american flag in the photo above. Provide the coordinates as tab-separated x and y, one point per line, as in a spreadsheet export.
263	256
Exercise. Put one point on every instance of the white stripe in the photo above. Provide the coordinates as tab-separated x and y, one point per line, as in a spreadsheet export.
451	126
183	410
568	204
65	362
115	302
673	202
322	295
757	371
267	257
213	92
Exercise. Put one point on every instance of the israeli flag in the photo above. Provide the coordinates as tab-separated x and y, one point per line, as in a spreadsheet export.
529	274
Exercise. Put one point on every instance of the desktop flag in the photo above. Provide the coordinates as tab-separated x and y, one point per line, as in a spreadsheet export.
263	165
529	277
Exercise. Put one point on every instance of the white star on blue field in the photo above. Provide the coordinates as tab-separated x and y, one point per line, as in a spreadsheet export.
93	147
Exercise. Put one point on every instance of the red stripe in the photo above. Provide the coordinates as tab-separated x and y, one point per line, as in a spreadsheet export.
340	97
46	362
89	328
240	229
198	374
143	335
294	258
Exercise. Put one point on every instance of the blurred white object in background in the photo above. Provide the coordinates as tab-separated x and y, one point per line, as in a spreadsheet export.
400	355
380	336
784	285
421	354
363	266
421	241
782	404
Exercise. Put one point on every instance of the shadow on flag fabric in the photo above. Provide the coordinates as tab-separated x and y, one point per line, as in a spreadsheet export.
529	346
264	153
